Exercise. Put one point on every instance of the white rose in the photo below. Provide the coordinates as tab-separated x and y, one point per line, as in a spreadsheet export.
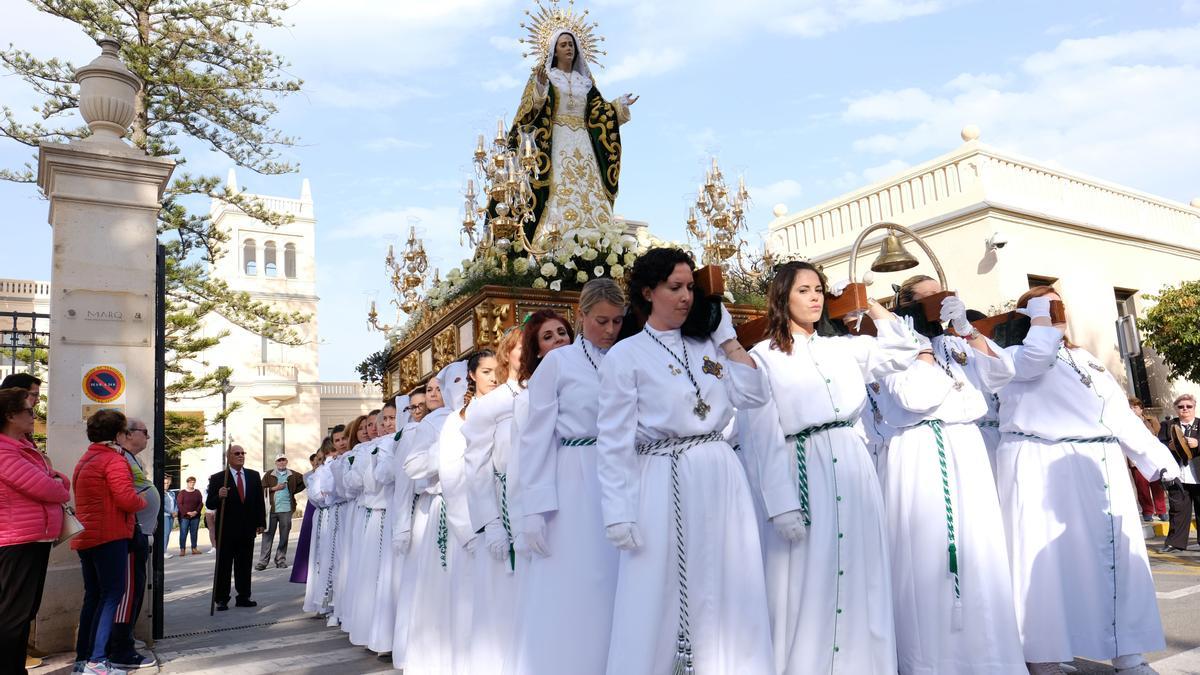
612	259
589	254
539	283
581	277
549	270
570	264
617	271
578	252
630	258
599	271
556	285
520	265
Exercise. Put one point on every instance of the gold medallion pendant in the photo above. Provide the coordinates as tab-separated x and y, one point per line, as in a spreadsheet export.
701	408
713	368
959	357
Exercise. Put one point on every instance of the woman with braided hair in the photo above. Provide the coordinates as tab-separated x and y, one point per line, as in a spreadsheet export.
1081	577
828	577
567	580
674	496
950	578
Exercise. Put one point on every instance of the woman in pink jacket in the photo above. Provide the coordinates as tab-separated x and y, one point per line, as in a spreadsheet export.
31	498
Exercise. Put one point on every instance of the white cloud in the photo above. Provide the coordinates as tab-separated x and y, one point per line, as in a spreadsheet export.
502	82
645	63
392	143
1096	105
779	192
366	94
824	18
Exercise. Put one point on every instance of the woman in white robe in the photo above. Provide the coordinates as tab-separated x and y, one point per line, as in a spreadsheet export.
343	520
318	487
354	484
487	431
564	609
410	507
431	630
949	567
370	625
690	588
1081	577
828	576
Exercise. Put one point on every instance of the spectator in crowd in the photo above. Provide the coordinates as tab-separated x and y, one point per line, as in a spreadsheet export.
105	502
170	514
33	389
235	495
1150	495
189	504
281	487
1182	436
121	652
32	496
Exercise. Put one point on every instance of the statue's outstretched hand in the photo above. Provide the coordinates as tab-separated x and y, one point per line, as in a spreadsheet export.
540	73
630	99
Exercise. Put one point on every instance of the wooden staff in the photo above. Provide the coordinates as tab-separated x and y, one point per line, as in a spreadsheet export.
212	598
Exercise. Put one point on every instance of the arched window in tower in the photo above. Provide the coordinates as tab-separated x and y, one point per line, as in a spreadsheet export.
289	261
249	257
269	259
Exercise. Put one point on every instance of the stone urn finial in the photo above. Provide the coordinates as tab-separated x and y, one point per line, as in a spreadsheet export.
106	94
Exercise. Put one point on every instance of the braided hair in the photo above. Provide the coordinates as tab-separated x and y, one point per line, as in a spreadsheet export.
473	365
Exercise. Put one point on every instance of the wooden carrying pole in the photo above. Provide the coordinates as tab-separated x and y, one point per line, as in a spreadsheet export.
212	599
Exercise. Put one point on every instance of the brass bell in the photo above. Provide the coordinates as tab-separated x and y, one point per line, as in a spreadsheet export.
892	256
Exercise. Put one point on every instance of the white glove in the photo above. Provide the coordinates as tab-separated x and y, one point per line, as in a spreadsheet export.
625	536
401	542
472	544
725	330
954	312
534	528
1036	308
496	539
790	526
838	287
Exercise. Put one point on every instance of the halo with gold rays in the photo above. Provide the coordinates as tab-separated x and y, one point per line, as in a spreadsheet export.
548	18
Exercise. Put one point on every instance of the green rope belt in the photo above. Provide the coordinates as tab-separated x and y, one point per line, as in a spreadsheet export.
990	424
673	448
951	539
1069	439
801	437
442	532
577	442
504	520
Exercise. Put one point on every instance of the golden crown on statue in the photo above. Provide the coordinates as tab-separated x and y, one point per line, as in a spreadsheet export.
547	19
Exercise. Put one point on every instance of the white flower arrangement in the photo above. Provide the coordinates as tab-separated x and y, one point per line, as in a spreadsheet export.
556	285
539	283
581	277
549	270
598	270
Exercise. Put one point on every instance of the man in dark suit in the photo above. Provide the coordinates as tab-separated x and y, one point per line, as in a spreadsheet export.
236	495
1182	436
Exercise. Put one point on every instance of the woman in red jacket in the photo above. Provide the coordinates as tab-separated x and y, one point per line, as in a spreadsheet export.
105	503
31	499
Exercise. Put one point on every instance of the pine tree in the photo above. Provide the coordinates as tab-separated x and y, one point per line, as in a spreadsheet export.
207	80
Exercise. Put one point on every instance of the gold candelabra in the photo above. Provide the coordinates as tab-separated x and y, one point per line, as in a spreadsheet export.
506	176
407	276
717	219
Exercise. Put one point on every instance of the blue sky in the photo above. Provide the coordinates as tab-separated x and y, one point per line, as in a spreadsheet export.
807	98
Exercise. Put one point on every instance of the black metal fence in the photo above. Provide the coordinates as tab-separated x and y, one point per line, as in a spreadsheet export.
24	342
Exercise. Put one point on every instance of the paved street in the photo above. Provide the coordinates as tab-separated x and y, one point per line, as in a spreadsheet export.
276	637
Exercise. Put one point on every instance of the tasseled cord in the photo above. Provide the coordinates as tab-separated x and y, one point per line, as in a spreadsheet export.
956	614
683	657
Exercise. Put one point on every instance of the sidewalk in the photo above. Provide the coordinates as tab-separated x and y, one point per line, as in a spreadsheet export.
274	637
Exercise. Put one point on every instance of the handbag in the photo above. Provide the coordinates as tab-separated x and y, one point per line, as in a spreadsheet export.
71	527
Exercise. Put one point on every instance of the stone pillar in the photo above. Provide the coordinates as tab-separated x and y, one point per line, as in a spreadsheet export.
104	201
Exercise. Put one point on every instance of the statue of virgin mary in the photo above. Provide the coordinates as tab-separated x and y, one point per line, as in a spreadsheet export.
577	134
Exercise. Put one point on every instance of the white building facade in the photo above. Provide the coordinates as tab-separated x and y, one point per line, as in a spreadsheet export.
1000	224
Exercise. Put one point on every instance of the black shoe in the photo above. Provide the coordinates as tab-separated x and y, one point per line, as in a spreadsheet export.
1170	549
246	603
133	662
222	606
260	566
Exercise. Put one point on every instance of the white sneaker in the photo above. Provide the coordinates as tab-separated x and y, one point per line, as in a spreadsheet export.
168	556
101	668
